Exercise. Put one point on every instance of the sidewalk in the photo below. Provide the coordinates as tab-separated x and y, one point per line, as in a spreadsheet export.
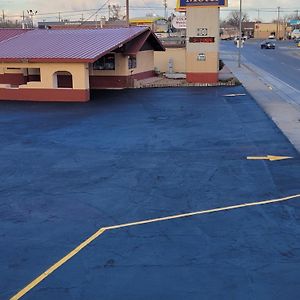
279	100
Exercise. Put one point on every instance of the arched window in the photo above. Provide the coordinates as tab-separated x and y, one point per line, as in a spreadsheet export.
62	79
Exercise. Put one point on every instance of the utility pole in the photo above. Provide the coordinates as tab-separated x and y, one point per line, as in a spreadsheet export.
240	36
23	20
165	4
59	18
127	12
3	16
278	27
258	18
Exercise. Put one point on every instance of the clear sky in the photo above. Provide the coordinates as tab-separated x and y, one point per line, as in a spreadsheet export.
266	10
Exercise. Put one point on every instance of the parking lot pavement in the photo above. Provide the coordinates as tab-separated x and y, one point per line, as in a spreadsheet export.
69	169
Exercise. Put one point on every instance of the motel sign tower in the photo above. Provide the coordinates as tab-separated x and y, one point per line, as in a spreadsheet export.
202	47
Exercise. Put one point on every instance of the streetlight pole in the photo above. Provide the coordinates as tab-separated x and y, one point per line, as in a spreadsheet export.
31	13
240	36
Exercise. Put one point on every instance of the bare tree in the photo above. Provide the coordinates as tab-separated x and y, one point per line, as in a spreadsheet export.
6	23
114	12
295	16
234	18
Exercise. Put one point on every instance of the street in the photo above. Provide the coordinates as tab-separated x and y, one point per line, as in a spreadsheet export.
132	155
283	62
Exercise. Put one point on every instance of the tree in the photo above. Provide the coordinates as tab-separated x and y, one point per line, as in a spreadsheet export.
114	12
6	23
234	18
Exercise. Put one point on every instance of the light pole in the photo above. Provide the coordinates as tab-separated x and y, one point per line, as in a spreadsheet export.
240	36
31	13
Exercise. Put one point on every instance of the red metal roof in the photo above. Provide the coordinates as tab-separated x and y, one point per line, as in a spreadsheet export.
7	33
85	45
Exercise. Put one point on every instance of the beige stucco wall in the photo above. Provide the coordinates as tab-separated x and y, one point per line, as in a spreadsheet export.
161	59
79	73
264	30
211	64
198	18
144	61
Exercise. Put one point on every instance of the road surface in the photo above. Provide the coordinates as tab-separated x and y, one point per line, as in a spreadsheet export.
283	62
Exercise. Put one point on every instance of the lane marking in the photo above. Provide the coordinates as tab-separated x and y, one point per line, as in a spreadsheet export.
62	261
269	157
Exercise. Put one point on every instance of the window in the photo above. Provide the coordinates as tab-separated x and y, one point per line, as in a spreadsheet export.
106	62
131	61
62	79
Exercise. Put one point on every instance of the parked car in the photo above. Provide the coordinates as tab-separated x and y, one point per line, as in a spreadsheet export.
267	44
295	34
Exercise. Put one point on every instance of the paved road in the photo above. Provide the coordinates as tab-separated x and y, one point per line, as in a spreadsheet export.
68	169
283	62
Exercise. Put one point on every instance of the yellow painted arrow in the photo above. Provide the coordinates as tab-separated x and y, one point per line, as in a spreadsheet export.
268	157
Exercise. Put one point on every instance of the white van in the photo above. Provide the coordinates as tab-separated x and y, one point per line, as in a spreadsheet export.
295	34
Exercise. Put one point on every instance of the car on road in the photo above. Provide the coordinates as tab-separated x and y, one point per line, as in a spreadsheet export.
295	34
297	40
268	44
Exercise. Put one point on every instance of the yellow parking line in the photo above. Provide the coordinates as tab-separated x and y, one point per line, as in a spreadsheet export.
58	264
36	281
201	212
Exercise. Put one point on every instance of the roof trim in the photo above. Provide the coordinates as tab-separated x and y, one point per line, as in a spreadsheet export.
140	41
45	60
120	44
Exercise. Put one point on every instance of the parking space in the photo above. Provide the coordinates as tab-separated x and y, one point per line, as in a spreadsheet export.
69	169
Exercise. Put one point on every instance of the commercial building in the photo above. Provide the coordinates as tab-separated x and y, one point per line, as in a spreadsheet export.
264	30
63	65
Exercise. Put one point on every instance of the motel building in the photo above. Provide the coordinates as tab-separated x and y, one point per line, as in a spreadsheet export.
63	65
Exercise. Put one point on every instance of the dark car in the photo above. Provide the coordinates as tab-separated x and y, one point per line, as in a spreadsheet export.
297	40
268	44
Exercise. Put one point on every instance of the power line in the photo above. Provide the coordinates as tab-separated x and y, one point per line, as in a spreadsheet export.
94	11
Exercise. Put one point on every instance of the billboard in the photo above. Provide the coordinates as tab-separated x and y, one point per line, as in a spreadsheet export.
294	22
182	4
179	22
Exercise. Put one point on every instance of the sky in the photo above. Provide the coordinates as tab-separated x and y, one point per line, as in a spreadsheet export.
265	10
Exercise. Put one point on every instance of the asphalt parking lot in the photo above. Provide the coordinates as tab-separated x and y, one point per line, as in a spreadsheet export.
69	169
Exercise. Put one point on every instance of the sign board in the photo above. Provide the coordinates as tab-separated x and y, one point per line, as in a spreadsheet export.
294	22
179	22
182	4
202	32
202	39
201	57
